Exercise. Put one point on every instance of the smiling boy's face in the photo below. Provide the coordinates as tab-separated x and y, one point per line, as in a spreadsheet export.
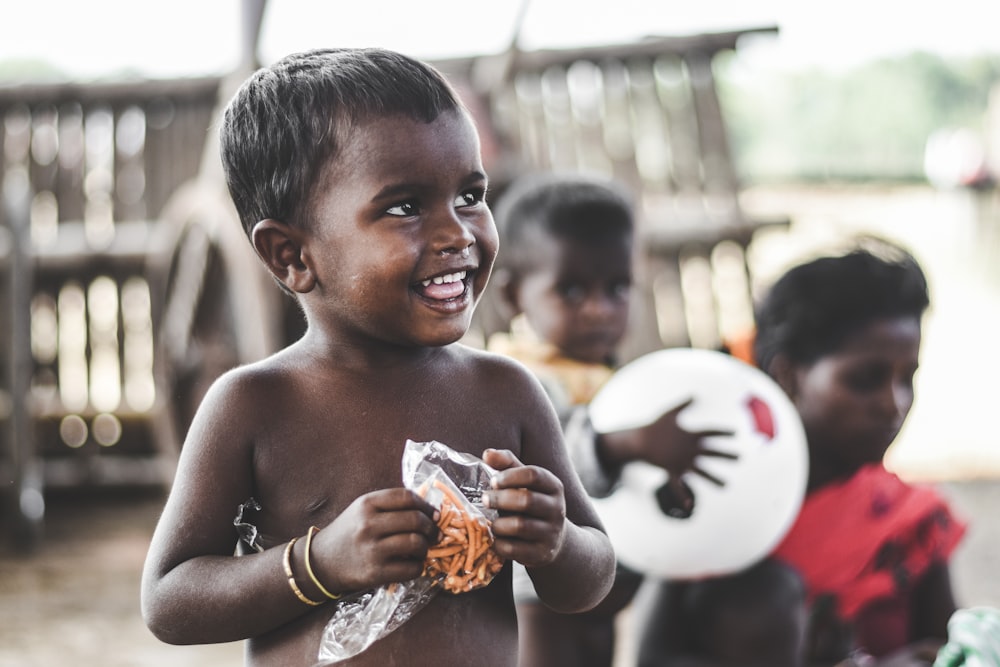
401	240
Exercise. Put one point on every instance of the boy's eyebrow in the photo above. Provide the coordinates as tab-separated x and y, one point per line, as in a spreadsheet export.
405	188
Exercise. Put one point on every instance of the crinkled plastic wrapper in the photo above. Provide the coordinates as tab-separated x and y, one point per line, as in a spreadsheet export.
445	478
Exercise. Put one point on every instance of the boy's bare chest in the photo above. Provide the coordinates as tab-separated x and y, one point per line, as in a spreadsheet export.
326	447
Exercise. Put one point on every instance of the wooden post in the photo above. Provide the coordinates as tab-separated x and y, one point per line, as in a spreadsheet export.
26	493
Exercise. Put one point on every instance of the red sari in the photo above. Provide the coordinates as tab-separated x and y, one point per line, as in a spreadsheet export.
870	538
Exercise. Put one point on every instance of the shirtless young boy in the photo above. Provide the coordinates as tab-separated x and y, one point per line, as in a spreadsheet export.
357	176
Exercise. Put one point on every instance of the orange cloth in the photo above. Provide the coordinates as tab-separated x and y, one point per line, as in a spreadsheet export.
576	382
741	345
868	538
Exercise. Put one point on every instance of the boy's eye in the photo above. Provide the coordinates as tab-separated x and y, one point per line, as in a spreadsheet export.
620	290
470	198
405	209
867	379
574	294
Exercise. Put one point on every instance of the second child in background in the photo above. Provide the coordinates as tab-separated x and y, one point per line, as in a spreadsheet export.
565	273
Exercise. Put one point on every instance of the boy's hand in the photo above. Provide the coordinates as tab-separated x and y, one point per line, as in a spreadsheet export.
665	444
531	525
382	537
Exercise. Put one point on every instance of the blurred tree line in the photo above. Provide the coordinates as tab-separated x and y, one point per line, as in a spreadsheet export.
871	122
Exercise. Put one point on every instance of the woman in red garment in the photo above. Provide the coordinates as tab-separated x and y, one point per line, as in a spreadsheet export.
841	335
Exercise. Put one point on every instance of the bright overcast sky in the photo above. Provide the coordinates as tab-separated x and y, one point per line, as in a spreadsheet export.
197	37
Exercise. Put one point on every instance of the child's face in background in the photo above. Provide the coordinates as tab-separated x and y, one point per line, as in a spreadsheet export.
853	402
402	240
577	298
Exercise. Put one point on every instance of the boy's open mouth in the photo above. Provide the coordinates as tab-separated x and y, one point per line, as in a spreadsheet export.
443	287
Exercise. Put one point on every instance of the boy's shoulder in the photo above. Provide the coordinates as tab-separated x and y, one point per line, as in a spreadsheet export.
261	377
503	366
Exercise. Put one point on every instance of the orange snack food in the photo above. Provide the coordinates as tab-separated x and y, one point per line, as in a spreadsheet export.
463	557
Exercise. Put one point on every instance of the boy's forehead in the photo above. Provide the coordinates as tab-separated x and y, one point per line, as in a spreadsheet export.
350	127
545	249
402	134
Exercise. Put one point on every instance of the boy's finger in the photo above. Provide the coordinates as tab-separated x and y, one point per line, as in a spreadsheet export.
677	409
706	475
520	505
529	477
396	499
710	433
501	459
516	534
403	522
718	453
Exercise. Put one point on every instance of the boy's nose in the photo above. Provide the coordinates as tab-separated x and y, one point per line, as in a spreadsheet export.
452	235
598	306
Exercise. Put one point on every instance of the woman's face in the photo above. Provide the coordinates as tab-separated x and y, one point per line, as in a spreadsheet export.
853	402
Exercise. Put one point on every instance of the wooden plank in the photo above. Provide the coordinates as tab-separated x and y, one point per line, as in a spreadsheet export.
26	498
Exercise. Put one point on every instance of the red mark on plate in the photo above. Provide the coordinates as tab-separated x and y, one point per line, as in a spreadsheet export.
763	419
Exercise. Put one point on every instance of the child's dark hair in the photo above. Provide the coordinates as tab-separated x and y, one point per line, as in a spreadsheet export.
564	206
288	120
813	308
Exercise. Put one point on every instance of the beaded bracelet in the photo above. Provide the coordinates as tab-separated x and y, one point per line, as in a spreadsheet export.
291	576
312	575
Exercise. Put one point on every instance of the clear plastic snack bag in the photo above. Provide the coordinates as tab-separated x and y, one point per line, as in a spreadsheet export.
463	559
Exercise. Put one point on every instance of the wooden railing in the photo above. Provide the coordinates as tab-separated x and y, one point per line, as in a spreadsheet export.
86	171
648	115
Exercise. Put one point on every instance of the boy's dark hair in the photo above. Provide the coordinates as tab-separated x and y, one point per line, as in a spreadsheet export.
287	121
813	308
563	206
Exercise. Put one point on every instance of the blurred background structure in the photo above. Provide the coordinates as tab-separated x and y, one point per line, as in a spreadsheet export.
752	135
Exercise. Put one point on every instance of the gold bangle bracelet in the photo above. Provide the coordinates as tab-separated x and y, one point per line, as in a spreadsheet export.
312	575
291	576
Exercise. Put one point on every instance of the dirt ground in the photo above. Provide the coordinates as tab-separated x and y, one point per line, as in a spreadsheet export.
76	600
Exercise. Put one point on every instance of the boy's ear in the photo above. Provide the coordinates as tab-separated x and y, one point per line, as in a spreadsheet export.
280	247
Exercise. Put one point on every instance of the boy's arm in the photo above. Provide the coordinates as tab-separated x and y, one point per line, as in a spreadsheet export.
535	529
195	590
586	451
547	522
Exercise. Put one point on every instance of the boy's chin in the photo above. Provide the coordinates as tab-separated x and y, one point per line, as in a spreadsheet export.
446	336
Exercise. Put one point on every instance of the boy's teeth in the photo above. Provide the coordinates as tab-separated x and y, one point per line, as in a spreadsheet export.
447	278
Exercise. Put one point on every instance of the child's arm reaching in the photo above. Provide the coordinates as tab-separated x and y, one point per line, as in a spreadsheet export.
665	444
533	529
